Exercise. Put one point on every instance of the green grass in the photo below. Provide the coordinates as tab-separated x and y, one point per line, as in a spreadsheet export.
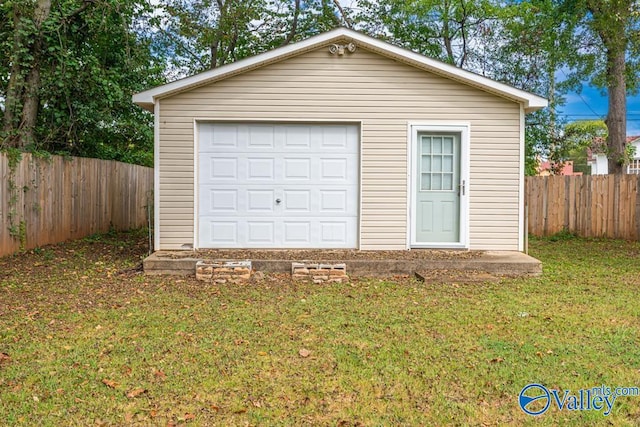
80	332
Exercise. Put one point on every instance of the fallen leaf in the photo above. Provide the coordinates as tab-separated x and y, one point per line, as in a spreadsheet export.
497	360
304	352
188	417
159	374
136	392
262	353
214	408
4	358
128	417
109	383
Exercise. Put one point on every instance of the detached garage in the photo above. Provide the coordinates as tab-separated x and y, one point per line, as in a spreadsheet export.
339	141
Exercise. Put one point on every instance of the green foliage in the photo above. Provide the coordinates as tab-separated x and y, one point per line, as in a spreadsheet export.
14	156
90	61
195	35
562	236
452	31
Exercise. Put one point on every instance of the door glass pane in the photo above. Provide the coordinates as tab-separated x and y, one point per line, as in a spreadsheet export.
437	164
426	145
426	164
447	181
436	181
437	145
447	164
447	147
425	182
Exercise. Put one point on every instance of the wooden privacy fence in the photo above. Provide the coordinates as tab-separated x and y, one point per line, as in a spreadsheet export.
589	206
45	201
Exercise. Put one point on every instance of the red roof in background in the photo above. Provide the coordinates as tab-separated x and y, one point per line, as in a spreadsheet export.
632	138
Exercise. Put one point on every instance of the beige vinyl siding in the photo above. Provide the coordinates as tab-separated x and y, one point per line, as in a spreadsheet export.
384	95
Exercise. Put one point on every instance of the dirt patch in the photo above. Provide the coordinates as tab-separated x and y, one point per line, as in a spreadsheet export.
330	254
457	276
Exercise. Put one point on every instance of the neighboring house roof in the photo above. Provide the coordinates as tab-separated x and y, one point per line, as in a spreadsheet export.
530	101
566	169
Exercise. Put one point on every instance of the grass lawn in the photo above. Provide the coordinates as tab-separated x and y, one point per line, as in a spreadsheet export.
83	341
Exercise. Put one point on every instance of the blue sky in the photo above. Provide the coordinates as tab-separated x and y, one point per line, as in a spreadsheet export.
591	104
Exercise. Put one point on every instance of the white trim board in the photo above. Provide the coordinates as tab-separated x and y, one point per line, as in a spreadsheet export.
156	177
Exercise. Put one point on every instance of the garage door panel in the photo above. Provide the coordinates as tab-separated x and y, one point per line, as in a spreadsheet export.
333	232
296	201
296	137
297	168
218	168
334	201
222	201
261	232
219	232
293	186
260	169
259	201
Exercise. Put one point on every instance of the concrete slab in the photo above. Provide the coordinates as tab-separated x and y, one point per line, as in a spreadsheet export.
499	263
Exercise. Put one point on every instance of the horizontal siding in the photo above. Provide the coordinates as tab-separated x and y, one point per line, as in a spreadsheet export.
363	87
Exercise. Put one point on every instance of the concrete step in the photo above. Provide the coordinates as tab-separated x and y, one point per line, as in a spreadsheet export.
499	263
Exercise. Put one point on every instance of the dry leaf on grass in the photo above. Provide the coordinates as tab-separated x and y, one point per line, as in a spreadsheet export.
304	352
159	374
109	383
136	392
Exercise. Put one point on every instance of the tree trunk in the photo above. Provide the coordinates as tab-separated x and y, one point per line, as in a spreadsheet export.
617	116
12	101
31	94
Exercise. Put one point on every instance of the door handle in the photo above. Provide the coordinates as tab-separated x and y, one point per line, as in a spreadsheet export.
278	201
461	188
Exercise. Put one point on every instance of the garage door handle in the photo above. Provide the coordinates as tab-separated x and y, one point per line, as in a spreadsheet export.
278	201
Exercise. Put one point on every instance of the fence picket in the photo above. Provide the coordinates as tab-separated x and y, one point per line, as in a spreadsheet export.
59	198
590	206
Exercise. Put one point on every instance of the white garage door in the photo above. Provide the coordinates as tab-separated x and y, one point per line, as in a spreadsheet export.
278	186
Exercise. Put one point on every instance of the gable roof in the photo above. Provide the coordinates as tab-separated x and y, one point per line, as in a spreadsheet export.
531	102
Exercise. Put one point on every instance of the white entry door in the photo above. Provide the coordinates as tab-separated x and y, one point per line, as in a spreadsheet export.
277	186
439	188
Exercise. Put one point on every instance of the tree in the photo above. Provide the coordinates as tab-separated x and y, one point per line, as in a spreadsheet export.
610	32
448	30
67	73
533	43
580	137
196	35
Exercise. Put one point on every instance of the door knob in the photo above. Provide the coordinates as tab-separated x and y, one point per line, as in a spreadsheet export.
278	201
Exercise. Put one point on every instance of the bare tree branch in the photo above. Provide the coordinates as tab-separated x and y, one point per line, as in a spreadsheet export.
344	15
294	25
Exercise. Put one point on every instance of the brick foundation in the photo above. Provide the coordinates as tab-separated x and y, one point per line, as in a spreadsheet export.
223	272
319	273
